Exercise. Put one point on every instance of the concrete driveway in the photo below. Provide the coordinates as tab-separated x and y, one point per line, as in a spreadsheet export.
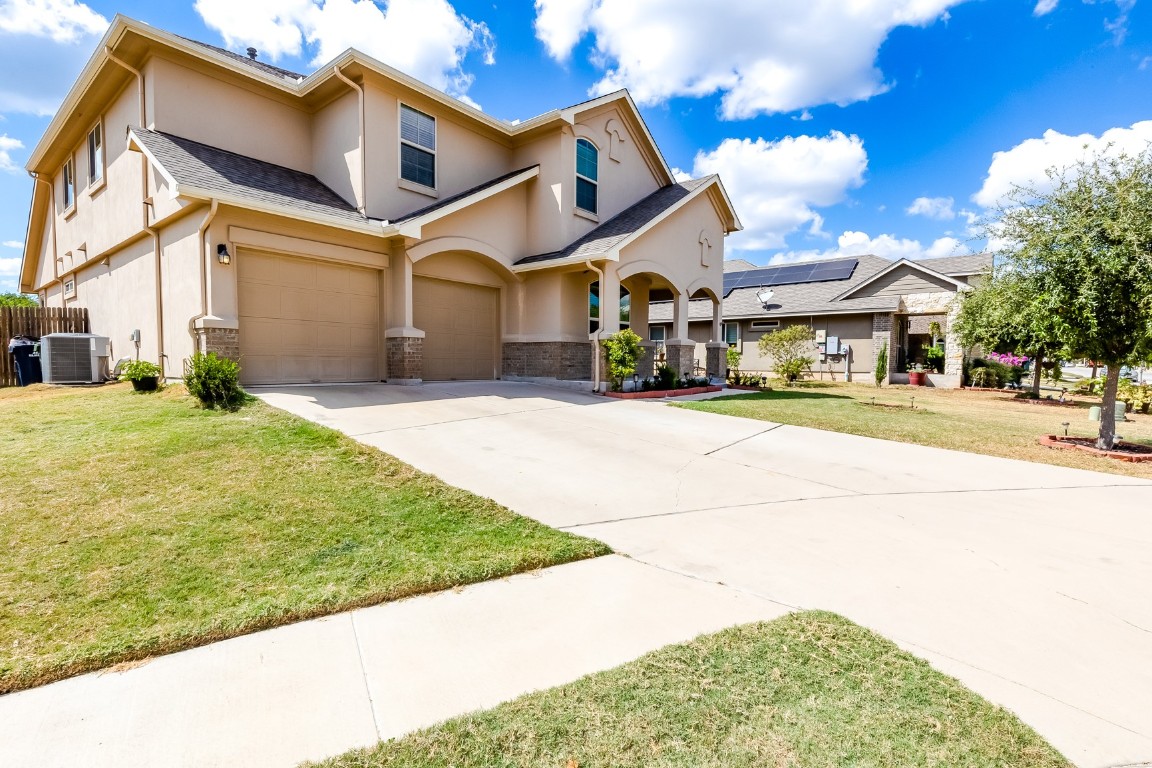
1031	583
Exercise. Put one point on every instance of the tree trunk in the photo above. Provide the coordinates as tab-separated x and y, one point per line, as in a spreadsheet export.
1107	436
1036	365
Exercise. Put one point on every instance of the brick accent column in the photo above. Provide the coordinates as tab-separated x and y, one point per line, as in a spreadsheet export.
405	359
953	348
681	356
884	331
717	362
225	342
646	365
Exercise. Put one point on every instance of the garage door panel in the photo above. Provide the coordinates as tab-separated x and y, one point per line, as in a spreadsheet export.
307	321
461	328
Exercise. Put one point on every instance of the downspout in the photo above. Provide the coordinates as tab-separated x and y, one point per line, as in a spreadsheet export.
55	258
145	204
596	336
363	207
204	267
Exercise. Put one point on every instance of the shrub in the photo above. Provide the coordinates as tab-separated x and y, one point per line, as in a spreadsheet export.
984	376
881	371
665	377
733	356
139	369
789	349
623	351
934	359
214	381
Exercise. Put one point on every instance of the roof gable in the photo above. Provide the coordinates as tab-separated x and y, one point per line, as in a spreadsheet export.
902	277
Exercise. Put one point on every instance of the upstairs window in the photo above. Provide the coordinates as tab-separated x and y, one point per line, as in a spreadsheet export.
587	166
417	147
68	178
95	155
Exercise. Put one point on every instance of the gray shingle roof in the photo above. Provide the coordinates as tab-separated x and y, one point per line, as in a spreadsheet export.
737	265
611	233
283	74
460	196
959	265
228	174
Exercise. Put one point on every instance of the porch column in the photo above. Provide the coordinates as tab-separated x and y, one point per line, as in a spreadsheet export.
680	349
638	318
404	344
717	321
609	302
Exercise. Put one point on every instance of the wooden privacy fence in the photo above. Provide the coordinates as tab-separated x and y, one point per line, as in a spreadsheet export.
35	322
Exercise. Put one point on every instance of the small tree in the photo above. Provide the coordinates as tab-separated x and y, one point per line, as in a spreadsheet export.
881	371
17	300
623	351
733	355
1084	251
790	350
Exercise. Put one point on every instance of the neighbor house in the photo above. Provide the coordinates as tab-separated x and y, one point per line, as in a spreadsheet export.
854	306
355	224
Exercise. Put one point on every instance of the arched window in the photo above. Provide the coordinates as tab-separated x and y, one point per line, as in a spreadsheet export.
587	168
594	307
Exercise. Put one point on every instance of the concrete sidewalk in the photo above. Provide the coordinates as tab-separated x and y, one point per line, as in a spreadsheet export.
317	688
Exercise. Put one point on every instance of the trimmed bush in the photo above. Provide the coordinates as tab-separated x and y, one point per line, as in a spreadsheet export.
984	376
214	381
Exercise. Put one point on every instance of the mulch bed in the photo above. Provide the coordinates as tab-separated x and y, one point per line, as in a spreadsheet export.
655	393
1122	451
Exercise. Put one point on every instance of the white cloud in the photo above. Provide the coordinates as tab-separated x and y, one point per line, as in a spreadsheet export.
1044	7
64	21
1117	26
764	57
9	267
427	39
13	243
1025	164
854	243
777	185
932	207
7	146
47	43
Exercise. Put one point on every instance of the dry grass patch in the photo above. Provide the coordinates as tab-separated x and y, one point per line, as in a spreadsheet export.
135	525
992	423
809	689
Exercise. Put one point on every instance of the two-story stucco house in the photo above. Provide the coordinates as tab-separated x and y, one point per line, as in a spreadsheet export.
355	224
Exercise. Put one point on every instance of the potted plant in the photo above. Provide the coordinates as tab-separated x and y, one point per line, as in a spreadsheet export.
916	375
144	375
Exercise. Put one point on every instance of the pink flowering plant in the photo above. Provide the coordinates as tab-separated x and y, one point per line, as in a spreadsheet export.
1007	358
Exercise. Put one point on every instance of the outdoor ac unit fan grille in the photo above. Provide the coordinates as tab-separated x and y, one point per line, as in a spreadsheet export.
69	358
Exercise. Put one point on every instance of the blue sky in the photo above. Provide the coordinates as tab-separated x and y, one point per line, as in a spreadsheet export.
891	131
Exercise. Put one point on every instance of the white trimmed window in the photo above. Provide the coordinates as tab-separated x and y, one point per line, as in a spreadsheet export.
731	334
68	181
417	147
587	175
95	154
657	333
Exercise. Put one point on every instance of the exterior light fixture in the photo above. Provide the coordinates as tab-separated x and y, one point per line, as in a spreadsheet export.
1065	425
222	254
764	295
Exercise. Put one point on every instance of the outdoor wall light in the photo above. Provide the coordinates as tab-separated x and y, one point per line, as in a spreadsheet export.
222	254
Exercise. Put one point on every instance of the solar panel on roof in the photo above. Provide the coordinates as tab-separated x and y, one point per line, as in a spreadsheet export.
791	274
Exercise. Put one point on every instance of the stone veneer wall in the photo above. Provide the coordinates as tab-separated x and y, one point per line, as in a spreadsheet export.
225	342
681	358
884	330
566	360
717	364
405	358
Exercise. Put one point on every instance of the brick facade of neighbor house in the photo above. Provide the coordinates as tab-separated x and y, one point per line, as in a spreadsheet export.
405	359
884	330
681	358
566	360
225	342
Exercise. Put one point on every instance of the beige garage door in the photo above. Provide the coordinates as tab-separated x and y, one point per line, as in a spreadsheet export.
304	321
461	324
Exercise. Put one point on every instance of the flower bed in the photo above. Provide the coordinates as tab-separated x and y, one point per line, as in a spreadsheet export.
657	393
1122	451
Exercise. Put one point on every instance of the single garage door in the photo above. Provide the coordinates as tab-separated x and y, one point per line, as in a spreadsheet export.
461	324
305	321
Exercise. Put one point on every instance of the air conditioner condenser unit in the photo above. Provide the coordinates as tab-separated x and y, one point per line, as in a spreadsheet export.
74	358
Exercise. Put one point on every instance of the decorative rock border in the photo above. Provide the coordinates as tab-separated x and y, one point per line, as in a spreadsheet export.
657	393
1058	441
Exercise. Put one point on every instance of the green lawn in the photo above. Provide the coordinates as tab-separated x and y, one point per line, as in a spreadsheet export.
994	423
134	525
809	689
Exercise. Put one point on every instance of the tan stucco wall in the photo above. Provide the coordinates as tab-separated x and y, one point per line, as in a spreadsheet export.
673	248
230	114
336	146
498	225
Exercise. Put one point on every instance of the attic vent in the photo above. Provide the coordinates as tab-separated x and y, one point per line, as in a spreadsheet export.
765	325
252	54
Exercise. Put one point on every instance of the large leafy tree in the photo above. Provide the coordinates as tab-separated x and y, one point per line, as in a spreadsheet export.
1006	313
16	300
1080	256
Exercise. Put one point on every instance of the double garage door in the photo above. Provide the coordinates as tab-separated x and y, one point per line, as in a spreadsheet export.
306	321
